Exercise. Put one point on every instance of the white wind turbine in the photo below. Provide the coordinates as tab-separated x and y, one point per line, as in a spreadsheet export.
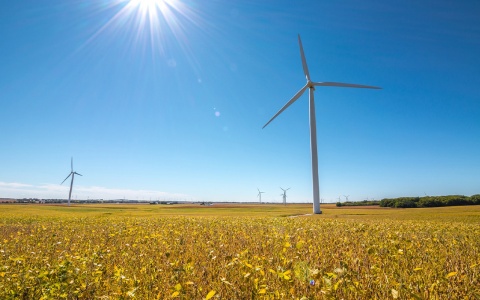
284	195
72	173
313	126
260	195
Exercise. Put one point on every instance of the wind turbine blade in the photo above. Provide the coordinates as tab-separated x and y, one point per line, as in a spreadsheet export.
71	163
66	178
304	61
78	174
297	95
350	85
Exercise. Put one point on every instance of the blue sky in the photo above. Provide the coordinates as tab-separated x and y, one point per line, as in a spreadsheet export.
169	103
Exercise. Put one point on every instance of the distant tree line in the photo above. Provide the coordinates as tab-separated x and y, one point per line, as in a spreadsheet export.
430	201
359	203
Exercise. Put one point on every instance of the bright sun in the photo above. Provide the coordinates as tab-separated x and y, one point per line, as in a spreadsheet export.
148	4
158	21
151	23
151	15
152	11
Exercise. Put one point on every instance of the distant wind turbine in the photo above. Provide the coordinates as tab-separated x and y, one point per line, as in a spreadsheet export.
72	173
284	195
260	195
313	127
346	197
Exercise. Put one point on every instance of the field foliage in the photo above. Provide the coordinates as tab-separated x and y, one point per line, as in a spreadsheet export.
89	252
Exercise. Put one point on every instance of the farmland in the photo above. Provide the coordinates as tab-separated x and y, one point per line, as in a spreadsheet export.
238	252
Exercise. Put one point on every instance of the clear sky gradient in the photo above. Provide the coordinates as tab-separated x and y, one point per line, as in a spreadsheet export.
166	100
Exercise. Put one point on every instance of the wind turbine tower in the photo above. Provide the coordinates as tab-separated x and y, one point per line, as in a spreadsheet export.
260	195
72	173
313	126
284	195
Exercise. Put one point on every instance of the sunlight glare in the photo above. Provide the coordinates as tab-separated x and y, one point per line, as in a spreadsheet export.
158	19
148	5
151	27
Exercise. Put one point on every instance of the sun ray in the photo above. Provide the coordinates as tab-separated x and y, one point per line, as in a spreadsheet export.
148	23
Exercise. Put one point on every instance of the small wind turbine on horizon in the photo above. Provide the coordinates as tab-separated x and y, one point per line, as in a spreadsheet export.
346	197
260	195
284	195
313	126
72	173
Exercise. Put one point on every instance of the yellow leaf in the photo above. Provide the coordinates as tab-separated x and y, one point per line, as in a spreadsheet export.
210	294
451	274
418	269
175	294
178	287
299	244
394	294
333	275
262	291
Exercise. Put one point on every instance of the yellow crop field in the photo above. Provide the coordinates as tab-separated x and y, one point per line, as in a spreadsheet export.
238	252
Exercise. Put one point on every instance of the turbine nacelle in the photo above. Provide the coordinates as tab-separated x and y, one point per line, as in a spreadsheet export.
311	85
